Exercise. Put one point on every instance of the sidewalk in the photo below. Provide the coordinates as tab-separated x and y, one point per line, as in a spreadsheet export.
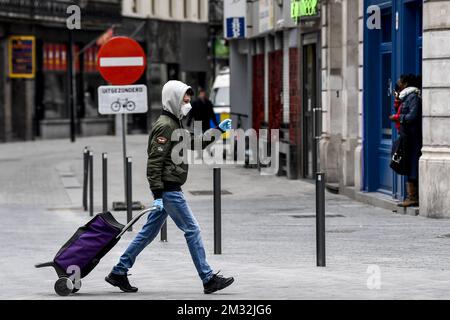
268	233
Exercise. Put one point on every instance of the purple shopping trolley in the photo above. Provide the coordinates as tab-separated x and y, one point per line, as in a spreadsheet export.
81	254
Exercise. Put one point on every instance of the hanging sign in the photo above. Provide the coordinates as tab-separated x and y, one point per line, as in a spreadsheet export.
235	12
303	8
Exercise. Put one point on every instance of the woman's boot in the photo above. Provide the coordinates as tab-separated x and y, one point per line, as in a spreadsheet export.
412	199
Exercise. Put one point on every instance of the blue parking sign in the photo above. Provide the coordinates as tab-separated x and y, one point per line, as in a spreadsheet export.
236	27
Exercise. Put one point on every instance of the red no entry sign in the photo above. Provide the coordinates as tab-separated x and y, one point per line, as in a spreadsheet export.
121	61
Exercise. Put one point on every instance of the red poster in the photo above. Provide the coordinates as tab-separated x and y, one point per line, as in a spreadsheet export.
45	57
63	57
76	58
57	50
51	57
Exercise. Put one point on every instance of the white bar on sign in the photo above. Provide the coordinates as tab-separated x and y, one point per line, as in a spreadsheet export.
122	62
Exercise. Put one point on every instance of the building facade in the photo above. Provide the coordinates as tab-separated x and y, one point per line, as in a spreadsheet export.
176	34
36	105
359	80
340	66
265	72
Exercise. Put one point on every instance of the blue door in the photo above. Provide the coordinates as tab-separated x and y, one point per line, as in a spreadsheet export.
393	49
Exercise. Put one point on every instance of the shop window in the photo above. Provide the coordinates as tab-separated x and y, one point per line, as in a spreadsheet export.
158	78
91	81
54	72
54	96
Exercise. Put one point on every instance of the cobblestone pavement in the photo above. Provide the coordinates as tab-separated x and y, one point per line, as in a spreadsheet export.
268	234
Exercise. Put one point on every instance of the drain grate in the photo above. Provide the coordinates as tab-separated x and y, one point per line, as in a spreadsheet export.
309	216
208	193
341	231
291	209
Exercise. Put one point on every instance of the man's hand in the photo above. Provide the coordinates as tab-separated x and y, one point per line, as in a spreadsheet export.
225	125
158	204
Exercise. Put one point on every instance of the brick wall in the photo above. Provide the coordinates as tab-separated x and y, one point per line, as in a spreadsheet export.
258	91
275	89
294	89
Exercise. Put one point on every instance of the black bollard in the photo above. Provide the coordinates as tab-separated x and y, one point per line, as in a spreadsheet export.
105	181
129	191
164	232
320	219
91	183
217	212
85	177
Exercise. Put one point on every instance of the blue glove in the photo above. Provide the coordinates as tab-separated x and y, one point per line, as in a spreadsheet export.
158	204
225	125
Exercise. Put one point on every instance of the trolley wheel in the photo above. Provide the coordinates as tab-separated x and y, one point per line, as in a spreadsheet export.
63	287
75	290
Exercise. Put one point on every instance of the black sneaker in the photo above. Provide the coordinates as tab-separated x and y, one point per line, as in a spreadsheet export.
120	281
217	283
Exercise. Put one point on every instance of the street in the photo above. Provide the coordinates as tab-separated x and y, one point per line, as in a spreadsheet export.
268	233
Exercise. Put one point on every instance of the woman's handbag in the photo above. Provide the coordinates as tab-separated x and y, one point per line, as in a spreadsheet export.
398	161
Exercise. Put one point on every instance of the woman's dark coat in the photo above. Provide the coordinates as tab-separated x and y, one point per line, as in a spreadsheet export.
411	130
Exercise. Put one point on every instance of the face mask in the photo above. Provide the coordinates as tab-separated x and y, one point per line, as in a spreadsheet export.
185	109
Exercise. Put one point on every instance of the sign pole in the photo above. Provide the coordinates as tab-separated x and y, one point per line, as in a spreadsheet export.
124	148
71	85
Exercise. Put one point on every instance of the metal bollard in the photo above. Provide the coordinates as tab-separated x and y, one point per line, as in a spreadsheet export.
85	177
129	191
105	181
320	219
164	232
91	183
217	212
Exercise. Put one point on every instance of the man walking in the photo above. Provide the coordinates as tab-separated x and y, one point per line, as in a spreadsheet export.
202	110
166	179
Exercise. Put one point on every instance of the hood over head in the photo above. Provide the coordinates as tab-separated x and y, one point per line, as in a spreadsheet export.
172	96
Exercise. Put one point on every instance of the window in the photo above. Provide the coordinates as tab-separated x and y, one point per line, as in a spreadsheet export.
134	7
199	8
185	7
152	7
170	8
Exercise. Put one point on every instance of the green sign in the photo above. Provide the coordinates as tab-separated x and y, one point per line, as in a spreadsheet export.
220	49
303	8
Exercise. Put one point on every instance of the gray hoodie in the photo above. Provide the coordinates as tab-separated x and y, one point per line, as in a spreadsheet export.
172	97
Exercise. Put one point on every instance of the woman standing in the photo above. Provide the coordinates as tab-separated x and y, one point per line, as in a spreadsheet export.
410	118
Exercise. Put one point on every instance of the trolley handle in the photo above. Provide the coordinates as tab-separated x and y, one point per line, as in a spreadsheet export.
134	220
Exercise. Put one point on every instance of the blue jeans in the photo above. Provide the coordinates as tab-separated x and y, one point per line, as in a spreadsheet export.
176	207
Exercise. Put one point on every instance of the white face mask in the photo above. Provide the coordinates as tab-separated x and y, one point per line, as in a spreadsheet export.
185	109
